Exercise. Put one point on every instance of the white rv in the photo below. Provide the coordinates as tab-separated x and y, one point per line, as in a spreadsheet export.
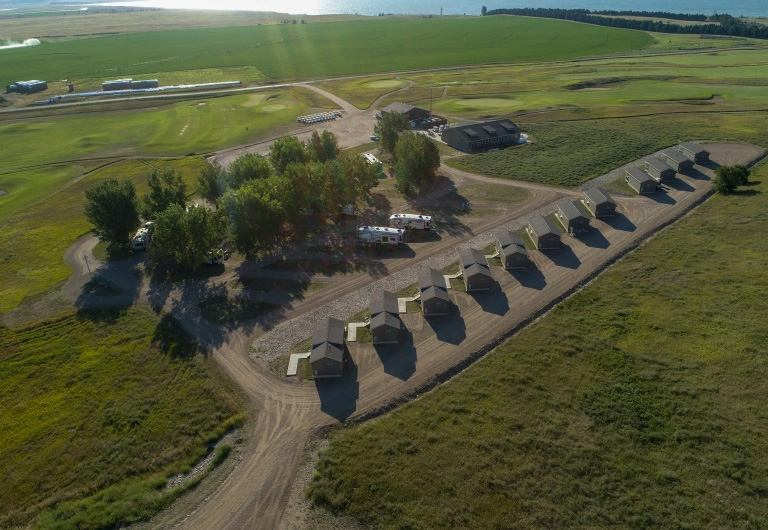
140	240
409	220
380	235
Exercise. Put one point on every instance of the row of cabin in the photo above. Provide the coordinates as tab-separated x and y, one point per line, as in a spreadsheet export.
665	168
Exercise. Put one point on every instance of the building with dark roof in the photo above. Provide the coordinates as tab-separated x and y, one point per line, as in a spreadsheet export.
695	152
475	270
640	181
659	170
512	250
433	292
327	355
27	87
599	203
543	232
571	217
386	325
482	135
677	160
412	113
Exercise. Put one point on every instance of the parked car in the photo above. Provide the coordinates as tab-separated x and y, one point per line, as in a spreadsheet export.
375	138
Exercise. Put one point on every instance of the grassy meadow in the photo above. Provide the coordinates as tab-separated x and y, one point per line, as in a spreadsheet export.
306	51
638	402
99	406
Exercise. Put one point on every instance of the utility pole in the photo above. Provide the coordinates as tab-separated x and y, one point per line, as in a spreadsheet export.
431	86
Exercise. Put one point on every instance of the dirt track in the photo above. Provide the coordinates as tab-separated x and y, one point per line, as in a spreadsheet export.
287	413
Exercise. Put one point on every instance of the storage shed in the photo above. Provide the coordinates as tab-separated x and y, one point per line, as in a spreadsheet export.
694	152
659	170
571	217
475	270
386	325
543	232
327	355
599	203
677	160
512	250
433	292
640	181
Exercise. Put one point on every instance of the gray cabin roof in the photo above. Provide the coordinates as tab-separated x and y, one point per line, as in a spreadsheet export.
507	238
640	175
385	319
383	302
676	156
471	256
430	277
658	165
542	225
489	129
569	210
475	269
433	291
329	330
400	107
597	196
326	350
692	148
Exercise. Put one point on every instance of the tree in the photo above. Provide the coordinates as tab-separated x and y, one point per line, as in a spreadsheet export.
185	236
247	167
285	150
255	213
484	11
112	207
210	183
388	128
323	147
360	177
418	160
165	189
728	178
330	186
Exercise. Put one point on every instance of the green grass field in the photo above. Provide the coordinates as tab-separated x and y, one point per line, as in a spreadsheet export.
309	51
98	409
637	403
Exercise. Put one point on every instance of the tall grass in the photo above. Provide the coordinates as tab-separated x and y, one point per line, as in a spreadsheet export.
637	403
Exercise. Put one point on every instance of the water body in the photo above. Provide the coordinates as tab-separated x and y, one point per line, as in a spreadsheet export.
749	8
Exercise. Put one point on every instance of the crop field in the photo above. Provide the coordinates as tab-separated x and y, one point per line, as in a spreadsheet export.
309	51
33	240
102	405
638	402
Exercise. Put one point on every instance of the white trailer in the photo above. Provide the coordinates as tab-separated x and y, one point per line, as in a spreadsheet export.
140	240
380	235
410	220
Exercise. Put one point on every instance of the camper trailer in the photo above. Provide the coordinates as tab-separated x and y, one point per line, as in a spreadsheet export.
409	220
140	241
380	235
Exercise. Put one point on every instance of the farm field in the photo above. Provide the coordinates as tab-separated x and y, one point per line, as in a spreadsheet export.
294	51
98	405
635	403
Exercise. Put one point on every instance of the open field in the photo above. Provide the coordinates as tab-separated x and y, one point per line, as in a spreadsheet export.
362	92
306	51
636	403
102	405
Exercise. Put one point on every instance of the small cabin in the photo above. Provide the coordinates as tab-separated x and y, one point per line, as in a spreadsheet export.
475	270
571	217
512	250
327	355
386	326
640	181
433	292
677	160
598	203
543	232
694	152
659	170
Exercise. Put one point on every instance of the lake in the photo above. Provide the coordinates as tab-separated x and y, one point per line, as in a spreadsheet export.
750	8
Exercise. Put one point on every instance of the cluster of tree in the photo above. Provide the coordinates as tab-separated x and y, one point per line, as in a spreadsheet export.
415	157
722	24
728	178
293	21
260	195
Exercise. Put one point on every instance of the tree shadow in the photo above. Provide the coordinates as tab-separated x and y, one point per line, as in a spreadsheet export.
449	328
398	360
530	277
113	283
594	238
620	222
746	193
101	315
493	301
173	340
446	205
338	396
563	257
680	185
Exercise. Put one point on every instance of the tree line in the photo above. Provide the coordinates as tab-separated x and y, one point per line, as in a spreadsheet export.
256	200
721	24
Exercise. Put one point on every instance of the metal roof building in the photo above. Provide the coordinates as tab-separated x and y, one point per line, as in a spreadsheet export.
327	355
543	232
571	217
695	152
411	112
599	203
640	181
385	318
475	270
659	170
433	292
677	160
512	250
482	135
